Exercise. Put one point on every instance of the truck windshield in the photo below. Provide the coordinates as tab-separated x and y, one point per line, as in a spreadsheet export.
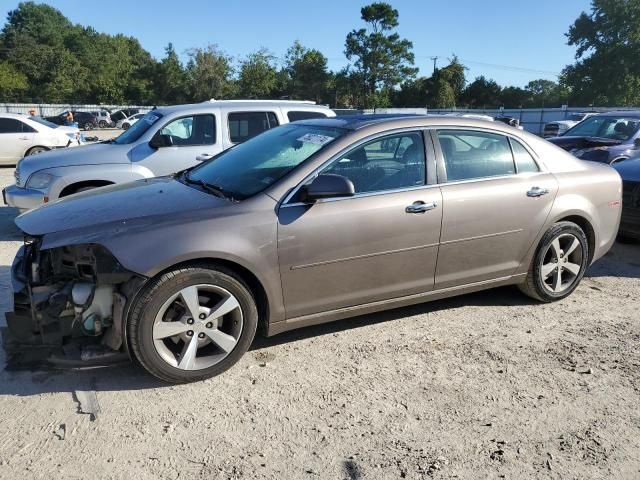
254	165
138	129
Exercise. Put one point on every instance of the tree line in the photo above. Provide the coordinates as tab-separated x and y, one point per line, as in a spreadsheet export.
45	58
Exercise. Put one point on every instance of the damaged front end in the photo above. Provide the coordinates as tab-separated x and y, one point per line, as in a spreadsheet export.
70	301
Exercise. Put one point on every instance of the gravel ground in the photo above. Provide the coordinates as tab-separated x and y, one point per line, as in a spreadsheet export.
488	385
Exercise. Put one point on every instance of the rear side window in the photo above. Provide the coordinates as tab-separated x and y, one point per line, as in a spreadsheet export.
524	160
11	125
245	125
293	116
469	155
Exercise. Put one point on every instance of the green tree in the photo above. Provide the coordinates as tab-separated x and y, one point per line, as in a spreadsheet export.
483	92
382	60
258	75
307	73
170	79
12	83
607	67
209	73
515	97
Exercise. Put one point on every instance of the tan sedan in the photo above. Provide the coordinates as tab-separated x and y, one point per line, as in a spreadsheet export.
310	222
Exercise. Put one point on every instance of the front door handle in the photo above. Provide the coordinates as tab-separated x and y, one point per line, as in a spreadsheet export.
537	192
420	207
203	156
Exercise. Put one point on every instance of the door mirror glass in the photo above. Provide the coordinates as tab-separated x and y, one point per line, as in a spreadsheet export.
161	141
328	186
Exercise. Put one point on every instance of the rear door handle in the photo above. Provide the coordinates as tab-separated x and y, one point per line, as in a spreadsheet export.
420	207
537	192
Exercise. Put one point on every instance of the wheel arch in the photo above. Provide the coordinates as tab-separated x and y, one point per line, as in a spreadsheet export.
35	146
586	227
255	286
74	187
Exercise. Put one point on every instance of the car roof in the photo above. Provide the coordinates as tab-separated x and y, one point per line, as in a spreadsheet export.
621	113
242	104
391	120
20	116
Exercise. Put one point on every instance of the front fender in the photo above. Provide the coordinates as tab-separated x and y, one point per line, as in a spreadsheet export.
112	173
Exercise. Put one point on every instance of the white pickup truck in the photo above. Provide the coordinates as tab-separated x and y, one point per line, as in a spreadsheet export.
164	141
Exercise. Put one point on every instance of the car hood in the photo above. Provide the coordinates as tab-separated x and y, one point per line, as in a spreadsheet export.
629	170
118	207
571	142
93	154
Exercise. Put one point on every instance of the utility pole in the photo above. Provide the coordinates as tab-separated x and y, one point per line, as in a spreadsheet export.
435	59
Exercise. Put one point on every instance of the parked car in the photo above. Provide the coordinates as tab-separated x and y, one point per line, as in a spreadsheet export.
123	114
475	116
165	141
308	223
511	121
607	138
85	120
22	136
104	118
559	127
630	222
127	122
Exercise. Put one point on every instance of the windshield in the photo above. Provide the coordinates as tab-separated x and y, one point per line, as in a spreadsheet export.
615	128
138	129
254	165
44	122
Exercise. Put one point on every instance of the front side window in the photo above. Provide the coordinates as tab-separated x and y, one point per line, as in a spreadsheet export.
389	163
294	116
253	166
469	154
189	131
246	125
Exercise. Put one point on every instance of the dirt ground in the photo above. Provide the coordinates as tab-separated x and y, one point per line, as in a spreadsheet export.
489	385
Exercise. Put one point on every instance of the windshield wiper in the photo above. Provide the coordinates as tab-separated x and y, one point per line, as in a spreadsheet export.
217	191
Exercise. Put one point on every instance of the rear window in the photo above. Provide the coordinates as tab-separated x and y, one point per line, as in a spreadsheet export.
246	125
302	115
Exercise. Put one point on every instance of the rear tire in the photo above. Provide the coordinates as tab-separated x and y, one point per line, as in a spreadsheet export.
88	126
125	126
559	263
35	150
163	325
103	124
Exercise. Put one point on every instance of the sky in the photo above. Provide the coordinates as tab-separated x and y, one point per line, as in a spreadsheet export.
510	41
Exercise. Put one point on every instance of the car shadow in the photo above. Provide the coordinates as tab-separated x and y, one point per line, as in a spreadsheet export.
623	261
9	232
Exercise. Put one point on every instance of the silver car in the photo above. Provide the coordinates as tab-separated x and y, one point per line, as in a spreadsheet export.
307	223
164	141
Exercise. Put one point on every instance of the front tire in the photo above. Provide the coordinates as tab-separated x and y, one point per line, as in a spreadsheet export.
192	323
559	263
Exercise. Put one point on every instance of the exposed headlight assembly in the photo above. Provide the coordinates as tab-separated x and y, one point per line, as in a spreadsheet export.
40	181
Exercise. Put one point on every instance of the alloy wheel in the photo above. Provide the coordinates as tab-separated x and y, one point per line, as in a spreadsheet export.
561	263
197	327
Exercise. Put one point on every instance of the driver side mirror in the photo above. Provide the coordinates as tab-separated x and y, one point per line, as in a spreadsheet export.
161	141
328	186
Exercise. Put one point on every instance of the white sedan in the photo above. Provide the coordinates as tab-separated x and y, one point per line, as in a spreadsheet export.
21	136
125	123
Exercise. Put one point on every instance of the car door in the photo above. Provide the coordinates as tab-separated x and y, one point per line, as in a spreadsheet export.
194	139
379	244
495	200
16	138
